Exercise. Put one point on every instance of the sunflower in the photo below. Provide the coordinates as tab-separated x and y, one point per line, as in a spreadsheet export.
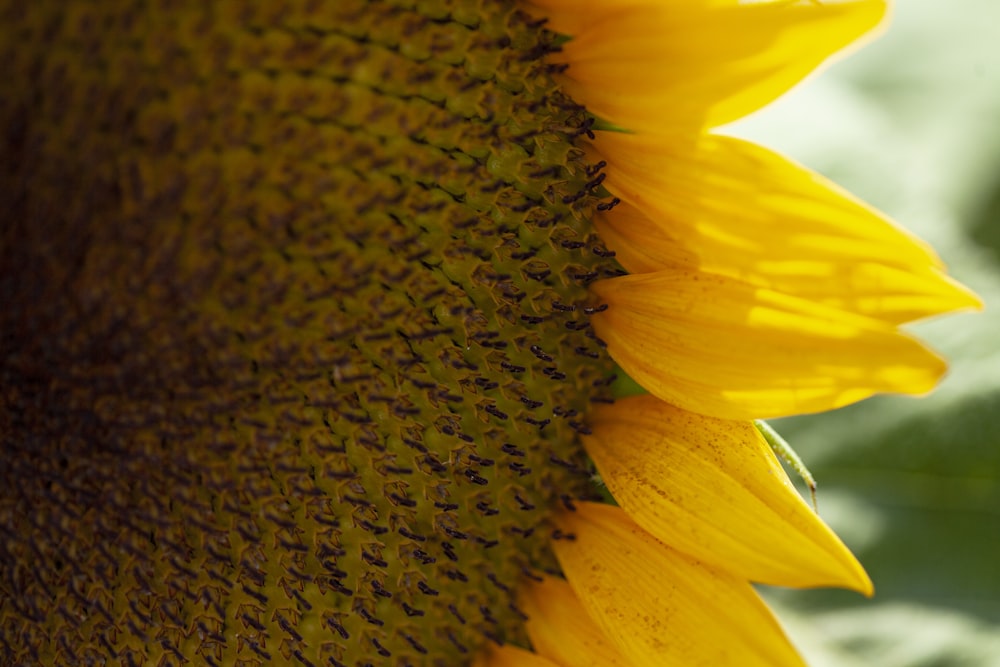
314	313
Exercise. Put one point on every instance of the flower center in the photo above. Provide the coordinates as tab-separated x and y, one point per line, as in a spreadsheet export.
298	343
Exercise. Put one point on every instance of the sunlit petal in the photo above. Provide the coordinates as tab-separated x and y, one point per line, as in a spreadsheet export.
654	66
713	489
722	347
878	289
730	200
659	606
560	628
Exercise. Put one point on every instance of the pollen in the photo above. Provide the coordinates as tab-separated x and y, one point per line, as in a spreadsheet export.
296	334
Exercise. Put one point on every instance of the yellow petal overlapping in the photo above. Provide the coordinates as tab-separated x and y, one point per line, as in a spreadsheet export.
560	628
713	489
719	346
724	197
656	66
746	212
758	289
660	606
880	290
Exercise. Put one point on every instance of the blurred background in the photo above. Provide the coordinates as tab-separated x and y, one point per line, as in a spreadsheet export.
911	123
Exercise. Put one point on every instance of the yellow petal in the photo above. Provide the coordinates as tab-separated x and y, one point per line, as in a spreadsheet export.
560	628
511	656
721	347
713	489
653	66
641	245
869	288
726	198
659	606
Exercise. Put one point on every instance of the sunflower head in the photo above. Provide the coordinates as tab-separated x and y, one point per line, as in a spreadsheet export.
296	328
310	325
